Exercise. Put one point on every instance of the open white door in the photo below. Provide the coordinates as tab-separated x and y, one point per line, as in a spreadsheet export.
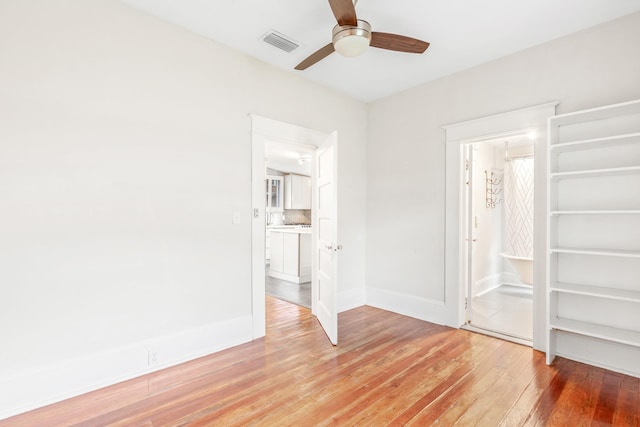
325	265
469	239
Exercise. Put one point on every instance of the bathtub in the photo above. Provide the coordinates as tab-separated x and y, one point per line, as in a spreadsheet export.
523	267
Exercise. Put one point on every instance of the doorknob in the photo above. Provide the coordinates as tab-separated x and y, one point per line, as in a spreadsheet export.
331	248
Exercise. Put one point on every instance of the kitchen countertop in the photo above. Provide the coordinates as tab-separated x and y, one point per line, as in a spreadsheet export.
289	229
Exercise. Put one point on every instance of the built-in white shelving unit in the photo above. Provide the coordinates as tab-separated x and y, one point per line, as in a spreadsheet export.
629	211
596	172
593	277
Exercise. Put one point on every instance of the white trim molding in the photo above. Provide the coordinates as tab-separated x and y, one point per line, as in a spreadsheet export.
408	305
530	120
351	298
264	129
28	390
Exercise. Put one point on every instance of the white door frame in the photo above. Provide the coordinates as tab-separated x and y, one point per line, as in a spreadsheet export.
263	129
526	120
467	191
469	215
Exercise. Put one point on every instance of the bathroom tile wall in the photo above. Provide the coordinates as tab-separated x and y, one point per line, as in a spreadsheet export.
518	197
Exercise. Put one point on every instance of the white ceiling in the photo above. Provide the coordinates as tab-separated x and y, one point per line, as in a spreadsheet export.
462	33
288	158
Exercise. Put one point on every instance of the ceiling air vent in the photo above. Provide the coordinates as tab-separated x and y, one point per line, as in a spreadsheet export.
280	41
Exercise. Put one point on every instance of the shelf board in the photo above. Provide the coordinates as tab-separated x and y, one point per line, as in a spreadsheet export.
606	333
596	172
587	144
596	291
597	212
599	113
603	252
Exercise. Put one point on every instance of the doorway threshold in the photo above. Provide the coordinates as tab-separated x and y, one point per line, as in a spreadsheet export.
500	335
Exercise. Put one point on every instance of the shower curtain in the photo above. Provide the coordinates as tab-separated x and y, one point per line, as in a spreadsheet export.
518	206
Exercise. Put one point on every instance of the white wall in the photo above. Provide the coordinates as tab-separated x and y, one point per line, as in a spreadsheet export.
125	148
487	224
124	151
406	156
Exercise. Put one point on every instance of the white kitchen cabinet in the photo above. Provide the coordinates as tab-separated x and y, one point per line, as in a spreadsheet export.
291	255
276	251
274	193
267	244
297	192
593	277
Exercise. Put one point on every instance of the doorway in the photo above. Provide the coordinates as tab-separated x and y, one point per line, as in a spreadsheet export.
530	120
288	215
499	211
323	234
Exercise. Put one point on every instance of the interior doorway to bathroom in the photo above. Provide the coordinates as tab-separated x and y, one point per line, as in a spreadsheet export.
525	121
499	235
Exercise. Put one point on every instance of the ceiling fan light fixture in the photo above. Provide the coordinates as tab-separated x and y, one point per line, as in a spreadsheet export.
351	40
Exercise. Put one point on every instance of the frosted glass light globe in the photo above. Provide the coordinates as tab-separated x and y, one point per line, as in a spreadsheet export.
350	40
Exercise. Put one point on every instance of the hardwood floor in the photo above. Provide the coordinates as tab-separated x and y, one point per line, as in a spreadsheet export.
387	370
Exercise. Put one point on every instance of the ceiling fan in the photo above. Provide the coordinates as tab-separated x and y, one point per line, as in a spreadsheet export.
352	36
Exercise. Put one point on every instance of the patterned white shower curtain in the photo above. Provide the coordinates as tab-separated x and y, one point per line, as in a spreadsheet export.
518	206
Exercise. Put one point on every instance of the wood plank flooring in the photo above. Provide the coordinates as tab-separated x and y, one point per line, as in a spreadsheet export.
389	370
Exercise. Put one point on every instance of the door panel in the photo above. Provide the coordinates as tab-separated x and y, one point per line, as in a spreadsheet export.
469	237
326	244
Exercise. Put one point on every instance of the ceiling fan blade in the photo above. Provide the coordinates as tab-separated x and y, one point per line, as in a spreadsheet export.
398	43
344	11
316	56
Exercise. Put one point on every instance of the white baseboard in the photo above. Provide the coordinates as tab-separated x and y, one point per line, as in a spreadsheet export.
486	284
495	281
408	305
289	277
512	279
351	299
27	390
603	354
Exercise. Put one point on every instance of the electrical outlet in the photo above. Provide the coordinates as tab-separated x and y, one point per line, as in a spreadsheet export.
152	357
